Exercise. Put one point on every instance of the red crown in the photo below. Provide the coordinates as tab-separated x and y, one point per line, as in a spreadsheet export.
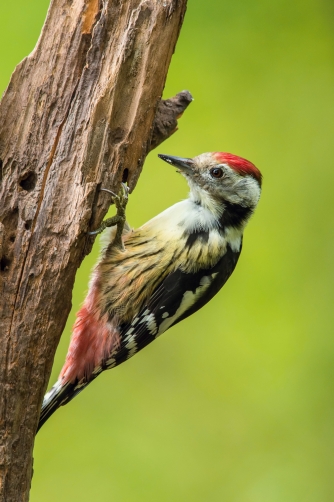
242	166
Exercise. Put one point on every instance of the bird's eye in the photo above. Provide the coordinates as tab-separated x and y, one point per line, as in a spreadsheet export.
216	172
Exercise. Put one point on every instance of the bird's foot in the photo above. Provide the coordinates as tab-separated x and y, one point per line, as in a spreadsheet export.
120	200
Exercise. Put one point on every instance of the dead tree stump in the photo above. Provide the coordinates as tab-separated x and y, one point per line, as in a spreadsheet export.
80	111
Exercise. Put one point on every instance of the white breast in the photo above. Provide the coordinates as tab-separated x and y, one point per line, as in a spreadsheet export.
183	216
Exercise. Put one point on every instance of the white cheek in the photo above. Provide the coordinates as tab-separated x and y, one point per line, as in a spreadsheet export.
254	192
243	190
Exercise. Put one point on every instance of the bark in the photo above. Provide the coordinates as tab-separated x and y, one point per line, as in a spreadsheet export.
79	113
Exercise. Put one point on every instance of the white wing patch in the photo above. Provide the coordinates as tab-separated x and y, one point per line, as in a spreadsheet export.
151	324
130	344
130	339
189	299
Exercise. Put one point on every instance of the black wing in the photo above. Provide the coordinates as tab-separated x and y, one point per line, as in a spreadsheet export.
177	297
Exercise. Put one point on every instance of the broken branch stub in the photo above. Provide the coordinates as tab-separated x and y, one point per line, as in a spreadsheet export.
167	114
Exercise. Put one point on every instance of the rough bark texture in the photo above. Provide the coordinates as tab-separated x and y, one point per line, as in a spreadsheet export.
77	114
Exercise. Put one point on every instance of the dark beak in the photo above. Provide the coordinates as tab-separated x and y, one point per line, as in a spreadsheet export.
185	165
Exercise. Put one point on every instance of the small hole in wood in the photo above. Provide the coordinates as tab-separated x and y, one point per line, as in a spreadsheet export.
4	264
12	238
28	181
27	224
125	175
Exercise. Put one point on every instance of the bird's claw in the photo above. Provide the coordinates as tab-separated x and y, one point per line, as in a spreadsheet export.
120	200
109	191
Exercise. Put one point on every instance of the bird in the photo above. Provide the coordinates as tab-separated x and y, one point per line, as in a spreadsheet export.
150	278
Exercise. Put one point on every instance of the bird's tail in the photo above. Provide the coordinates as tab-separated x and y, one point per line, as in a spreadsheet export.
60	394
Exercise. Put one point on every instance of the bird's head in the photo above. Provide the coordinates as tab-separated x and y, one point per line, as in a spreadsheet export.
217	178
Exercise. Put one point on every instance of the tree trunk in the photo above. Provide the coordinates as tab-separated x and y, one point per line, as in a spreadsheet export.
78	114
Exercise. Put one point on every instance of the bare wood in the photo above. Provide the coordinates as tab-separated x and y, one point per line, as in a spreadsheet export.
77	114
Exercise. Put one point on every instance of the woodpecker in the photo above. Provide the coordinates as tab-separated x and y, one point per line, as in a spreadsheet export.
151	278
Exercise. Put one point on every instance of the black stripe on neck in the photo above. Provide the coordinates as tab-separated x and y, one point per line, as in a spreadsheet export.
234	215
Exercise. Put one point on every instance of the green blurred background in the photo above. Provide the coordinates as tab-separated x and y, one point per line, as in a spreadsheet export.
235	404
